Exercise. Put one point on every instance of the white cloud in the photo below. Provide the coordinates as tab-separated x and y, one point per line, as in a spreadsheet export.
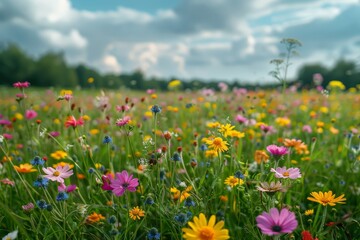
110	64
58	40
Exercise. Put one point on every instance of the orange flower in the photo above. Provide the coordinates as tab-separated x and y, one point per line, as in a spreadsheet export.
261	156
180	194
25	168
292	142
326	198
136	213
94	218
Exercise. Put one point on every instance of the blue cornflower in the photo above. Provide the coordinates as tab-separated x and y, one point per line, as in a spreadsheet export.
238	174
49	207
176	157
189	202
188	105
91	170
156	109
41	182
41	204
107	139
112	219
162	174
37	161
203	147
220	215
153	234
183	218
149	201
62	196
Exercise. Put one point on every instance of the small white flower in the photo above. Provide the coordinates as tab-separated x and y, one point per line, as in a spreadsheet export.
43	132
1	138
11	235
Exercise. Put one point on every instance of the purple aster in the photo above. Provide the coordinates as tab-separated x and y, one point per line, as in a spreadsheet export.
282	172
275	222
276	150
122	182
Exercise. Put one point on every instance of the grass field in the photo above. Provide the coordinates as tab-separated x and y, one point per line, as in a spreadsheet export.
91	164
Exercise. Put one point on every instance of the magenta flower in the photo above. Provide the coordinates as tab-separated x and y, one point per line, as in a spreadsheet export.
275	222
30	114
4	122
63	188
21	85
106	179
276	150
7	136
122	182
58	174
282	172
123	121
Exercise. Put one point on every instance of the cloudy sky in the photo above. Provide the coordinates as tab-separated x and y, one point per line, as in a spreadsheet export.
209	39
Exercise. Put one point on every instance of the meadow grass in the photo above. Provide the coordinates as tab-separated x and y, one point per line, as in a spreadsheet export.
191	152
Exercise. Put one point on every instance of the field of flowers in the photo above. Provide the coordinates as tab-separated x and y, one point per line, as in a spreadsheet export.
234	164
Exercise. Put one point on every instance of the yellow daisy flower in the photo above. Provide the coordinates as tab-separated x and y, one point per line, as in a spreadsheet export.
326	198
136	213
201	229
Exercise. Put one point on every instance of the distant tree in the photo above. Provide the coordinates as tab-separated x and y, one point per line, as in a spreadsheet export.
15	65
346	72
306	72
88	77
51	70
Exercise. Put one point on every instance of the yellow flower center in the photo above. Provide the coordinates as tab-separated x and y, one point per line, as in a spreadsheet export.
286	174
56	173
217	142
206	233
234	180
325	201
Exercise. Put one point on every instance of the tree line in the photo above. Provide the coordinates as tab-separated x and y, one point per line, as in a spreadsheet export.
51	69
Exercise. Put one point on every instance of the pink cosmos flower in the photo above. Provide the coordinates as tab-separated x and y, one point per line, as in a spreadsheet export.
7	181
58	174
122	182
4	122
30	114
276	150
63	188
150	91
241	119
267	129
21	85
282	172
307	128
106	179
275	222
123	121
7	136
71	121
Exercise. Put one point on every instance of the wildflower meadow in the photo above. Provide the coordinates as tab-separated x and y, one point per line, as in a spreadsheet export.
207	165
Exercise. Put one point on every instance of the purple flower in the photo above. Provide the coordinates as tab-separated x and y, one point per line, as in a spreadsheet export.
276	150
122	182
275	222
282	172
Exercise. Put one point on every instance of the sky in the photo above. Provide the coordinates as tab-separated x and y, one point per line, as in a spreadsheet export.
223	40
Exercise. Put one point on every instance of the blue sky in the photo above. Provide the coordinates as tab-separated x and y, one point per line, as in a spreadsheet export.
208	39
